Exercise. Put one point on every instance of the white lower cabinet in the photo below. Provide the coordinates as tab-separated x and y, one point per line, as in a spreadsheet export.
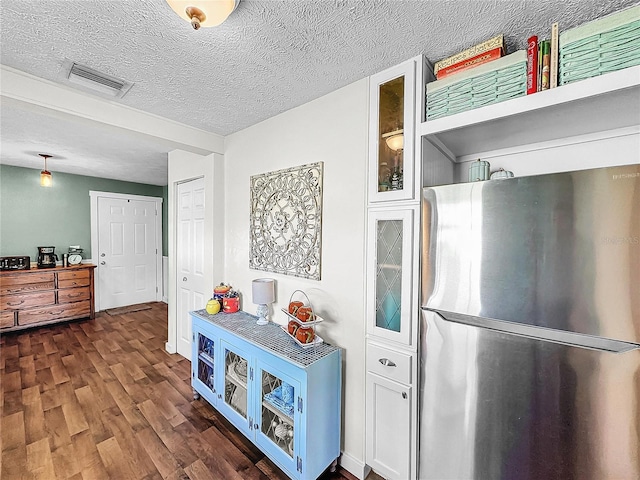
389	420
390	408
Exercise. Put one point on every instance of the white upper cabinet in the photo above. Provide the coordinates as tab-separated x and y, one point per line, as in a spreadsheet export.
392	132
392	274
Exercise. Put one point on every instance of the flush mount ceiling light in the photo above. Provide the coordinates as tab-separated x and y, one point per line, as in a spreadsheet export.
395	139
204	13
45	175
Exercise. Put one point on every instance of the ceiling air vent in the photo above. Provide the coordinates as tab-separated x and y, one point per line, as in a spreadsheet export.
97	81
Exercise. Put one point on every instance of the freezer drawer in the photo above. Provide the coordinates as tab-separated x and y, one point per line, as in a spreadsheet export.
499	405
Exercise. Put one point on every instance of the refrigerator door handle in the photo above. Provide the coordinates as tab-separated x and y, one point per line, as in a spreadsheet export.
386	362
541	333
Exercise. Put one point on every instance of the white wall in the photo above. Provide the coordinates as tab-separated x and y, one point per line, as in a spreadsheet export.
332	129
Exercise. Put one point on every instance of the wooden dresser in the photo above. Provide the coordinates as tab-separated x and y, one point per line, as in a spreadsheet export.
35	297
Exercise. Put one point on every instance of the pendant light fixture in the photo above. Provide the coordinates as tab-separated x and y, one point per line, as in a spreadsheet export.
45	175
204	13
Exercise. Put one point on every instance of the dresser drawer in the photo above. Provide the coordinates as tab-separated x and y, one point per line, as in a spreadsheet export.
73	274
73	282
25	282
389	363
26	288
54	312
7	319
22	278
73	294
18	302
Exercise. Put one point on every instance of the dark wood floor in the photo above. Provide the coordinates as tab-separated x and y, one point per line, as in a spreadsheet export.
101	398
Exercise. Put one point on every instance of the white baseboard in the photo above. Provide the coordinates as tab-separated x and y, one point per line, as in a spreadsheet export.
354	466
170	348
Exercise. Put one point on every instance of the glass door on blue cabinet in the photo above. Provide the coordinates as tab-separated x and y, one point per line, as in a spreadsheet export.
235	396
279	403
204	370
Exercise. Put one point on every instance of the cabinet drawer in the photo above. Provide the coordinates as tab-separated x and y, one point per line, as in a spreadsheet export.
19	279
11	281
6	319
389	363
73	282
17	302
54	312
74	274
26	287
73	294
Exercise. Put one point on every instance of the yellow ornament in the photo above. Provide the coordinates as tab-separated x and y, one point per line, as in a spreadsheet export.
213	306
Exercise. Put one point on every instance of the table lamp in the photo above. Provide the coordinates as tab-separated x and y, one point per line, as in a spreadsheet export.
263	293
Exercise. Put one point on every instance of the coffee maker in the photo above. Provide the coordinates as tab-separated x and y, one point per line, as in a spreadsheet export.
46	257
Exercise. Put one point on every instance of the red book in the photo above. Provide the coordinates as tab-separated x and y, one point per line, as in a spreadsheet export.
532	65
484	57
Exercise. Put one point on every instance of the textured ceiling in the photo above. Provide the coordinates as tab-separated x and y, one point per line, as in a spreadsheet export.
268	57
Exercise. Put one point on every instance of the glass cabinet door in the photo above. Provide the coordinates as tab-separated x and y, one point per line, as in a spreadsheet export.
236	370
279	397
392	133
277	411
391	273
206	352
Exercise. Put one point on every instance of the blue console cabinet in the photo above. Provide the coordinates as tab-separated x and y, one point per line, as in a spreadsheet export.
285	399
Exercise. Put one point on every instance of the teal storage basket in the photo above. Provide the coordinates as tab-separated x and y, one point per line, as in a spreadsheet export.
605	45
493	82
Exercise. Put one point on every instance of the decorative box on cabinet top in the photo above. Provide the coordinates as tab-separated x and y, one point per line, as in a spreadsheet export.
493	82
604	45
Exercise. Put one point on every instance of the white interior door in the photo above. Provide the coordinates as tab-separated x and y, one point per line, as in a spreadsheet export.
190	251
128	250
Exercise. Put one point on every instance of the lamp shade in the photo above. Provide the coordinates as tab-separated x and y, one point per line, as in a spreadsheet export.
395	139
45	178
263	291
210	13
45	175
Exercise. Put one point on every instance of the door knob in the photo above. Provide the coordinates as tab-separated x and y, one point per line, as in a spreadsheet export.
184	279
103	263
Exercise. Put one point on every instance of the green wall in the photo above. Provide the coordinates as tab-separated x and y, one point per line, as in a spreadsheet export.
32	216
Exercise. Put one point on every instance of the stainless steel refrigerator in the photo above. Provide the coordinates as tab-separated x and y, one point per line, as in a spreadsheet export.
530	332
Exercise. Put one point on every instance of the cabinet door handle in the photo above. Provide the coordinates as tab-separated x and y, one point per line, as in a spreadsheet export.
404	395
386	362
15	304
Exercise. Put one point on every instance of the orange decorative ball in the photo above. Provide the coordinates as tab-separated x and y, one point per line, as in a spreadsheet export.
292	327
305	334
294	306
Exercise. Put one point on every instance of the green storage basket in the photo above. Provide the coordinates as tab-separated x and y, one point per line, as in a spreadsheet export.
493	82
604	45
